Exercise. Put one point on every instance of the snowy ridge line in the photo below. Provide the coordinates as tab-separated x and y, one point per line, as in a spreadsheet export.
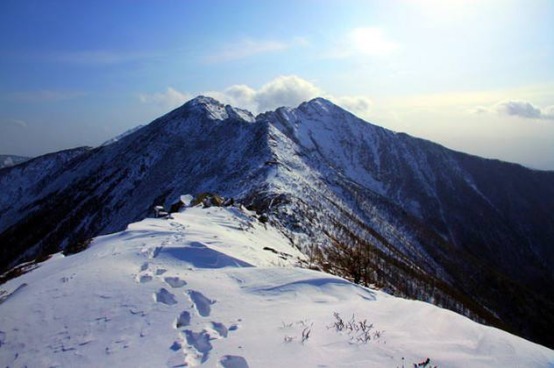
202	289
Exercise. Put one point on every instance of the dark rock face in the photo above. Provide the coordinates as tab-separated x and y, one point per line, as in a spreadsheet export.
470	234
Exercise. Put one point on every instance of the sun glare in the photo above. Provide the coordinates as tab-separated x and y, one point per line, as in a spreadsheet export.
371	41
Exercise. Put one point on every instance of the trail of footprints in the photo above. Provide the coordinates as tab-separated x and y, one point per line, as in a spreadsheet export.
192	348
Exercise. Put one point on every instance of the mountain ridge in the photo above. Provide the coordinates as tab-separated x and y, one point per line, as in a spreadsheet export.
438	226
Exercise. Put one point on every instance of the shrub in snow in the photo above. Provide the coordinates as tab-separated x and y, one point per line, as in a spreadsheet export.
207	199
304	335
425	364
359	331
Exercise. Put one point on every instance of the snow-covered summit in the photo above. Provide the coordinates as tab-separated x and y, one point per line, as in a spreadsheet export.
215	110
320	105
217	288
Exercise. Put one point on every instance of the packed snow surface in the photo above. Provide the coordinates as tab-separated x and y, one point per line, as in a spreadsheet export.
216	288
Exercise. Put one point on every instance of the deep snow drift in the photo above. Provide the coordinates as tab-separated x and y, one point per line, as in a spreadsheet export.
215	287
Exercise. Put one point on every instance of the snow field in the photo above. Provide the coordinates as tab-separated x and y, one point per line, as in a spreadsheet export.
201	290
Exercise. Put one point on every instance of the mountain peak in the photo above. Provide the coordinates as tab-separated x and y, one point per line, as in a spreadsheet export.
319	105
320	101
203	101
216	110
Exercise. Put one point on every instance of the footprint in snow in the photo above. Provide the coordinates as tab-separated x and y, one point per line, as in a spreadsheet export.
232	361
143	278
200	342
154	252
220	328
175	282
201	303
165	297
183	319
176	346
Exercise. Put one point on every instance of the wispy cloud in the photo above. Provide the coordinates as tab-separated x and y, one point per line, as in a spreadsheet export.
518	109
80	57
363	41
289	90
249	47
41	96
96	57
17	123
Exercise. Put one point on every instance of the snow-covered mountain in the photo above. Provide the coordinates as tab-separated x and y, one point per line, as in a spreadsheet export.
11	160
215	287
122	135
470	234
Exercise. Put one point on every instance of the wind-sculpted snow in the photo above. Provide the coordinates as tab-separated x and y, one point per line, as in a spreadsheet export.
88	310
201	256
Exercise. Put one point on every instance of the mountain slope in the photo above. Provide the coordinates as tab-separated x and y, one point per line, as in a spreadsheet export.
434	224
215	287
455	225
113	185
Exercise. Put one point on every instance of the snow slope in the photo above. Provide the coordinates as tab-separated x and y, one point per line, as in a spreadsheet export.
216	288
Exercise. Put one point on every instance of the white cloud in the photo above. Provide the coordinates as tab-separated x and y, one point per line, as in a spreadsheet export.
288	90
524	109
363	41
548	112
358	105
250	47
285	91
239	95
171	98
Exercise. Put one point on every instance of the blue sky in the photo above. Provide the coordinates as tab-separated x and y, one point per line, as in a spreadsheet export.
476	76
